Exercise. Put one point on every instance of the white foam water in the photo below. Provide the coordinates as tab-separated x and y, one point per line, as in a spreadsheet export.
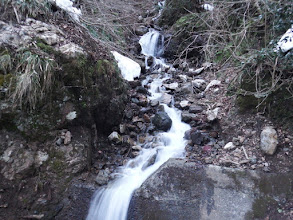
111	202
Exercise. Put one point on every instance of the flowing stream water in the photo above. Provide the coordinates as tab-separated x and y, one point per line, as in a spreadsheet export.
111	202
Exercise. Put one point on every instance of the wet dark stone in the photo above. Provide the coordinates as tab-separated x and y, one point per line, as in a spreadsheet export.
162	121
142	90
195	109
197	137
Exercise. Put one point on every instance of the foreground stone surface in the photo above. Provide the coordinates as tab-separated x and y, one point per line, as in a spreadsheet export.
182	190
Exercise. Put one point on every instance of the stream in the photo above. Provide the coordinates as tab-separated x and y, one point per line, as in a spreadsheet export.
112	201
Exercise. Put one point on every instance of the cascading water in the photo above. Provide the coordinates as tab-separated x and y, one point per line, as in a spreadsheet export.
111	202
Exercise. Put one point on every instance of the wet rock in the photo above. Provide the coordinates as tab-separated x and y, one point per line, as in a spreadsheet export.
195	109
141	30
114	137
129	113
103	177
171	86
137	147
229	146
196	137
162	121
154	103
268	140
166	99
150	61
185	89
142	90
212	114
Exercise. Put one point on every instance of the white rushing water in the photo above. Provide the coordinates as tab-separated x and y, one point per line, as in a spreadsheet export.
111	202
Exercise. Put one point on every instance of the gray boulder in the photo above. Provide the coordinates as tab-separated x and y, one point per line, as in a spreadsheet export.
268	140
162	121
184	190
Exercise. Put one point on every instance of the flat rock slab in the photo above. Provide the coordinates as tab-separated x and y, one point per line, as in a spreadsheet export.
183	190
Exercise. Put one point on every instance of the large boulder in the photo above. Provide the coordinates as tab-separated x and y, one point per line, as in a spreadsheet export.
162	121
184	190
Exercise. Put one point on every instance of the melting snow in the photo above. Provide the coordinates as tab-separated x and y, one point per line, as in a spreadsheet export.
66	5
208	7
286	42
129	68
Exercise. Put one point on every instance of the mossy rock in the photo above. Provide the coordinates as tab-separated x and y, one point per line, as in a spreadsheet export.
174	9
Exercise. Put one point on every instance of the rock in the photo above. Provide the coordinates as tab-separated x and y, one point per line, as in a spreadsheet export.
115	137
213	83
195	109
146	118
67	138
71	50
103	177
212	114
268	140
122	128
18	162
196	137
187	117
142	90
185	190
184	104
162	121
41	157
199	84
137	147
141	30
166	99
192	72
150	60
171	86
229	146
154	103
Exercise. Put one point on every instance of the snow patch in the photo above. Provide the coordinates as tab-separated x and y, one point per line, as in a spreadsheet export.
66	5
208	7
71	115
129	68
286	42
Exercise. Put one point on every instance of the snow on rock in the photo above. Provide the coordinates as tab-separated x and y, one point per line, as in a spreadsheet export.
66	5
286	42
129	68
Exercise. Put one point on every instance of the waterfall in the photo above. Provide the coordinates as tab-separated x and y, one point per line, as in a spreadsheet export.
111	202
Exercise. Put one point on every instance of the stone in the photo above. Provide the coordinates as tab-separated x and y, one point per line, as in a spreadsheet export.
212	84
114	137
171	86
212	114
166	99
196	137
186	190
67	138
141	30
187	117
229	146
162	121
18	162
195	109
154	103
122	128
103	177
41	157
71	50
137	147
199	84
268	140
184	104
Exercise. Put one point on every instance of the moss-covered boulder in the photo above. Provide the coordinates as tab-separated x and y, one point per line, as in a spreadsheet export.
174	9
